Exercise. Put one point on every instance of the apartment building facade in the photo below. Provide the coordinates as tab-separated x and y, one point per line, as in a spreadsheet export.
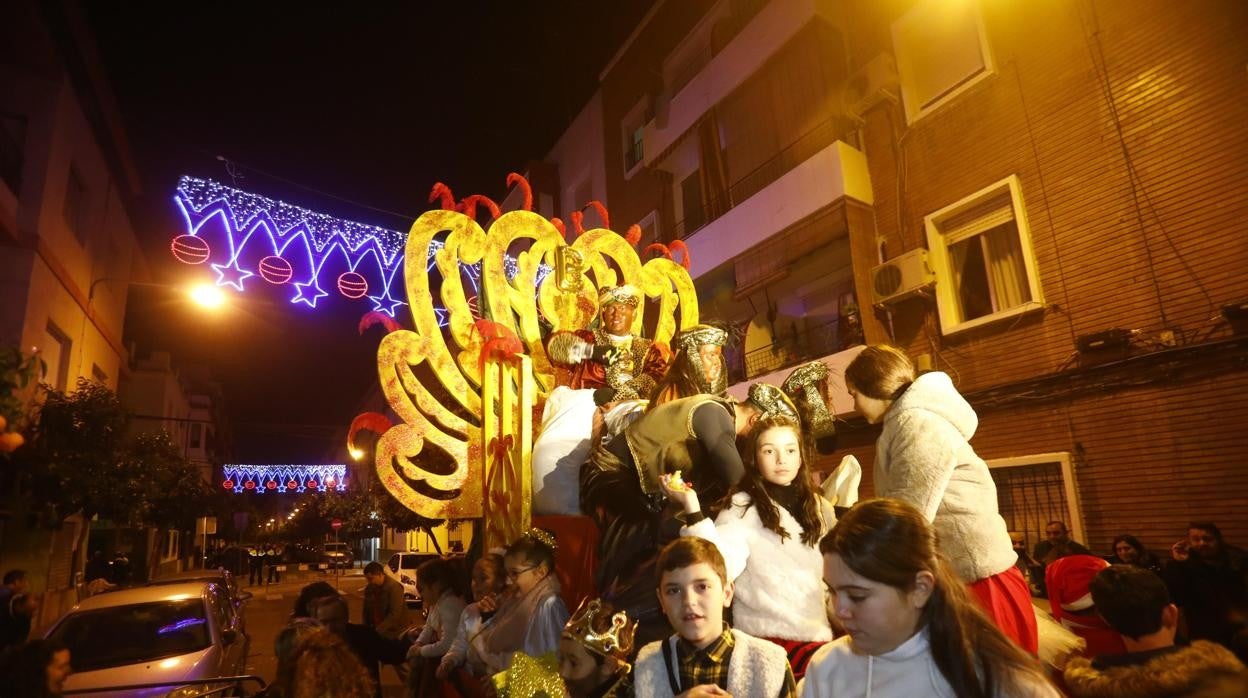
1045	200
67	243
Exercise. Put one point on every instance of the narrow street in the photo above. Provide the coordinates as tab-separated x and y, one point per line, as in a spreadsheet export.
270	607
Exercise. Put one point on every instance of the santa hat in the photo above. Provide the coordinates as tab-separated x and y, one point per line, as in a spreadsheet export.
1067	581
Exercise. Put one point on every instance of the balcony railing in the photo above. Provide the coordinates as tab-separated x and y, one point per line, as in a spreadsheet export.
792	155
788	350
12	141
633	155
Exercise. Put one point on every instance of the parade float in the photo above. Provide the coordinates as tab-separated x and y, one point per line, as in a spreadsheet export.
483	290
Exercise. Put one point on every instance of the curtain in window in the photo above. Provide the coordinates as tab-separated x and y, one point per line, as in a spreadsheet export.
1007	273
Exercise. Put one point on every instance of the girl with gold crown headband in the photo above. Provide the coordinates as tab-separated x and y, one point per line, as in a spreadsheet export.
531	616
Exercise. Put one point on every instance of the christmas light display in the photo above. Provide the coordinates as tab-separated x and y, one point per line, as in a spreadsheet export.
243	236
284	478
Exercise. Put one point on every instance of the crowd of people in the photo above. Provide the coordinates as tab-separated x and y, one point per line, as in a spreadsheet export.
726	570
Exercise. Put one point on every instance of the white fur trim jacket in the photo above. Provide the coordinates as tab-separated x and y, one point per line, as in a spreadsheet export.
779	582
756	668
924	457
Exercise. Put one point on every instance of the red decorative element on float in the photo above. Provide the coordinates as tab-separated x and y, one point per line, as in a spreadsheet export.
442	193
228	484
602	213
275	270
310	484
679	246
291	485
633	236
469	204
517	179
352	285
249	485
271	485
190	249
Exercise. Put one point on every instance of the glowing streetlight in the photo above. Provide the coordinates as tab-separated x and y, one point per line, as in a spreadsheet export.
207	296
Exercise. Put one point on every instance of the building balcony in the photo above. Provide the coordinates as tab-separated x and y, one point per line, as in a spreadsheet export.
762	35
776	196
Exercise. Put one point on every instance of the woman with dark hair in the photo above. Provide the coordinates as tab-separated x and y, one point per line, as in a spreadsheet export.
913	630
924	457
768	532
1128	550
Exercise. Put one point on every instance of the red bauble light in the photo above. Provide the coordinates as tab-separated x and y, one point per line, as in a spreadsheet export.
271	485
352	285
275	270
228	484
310	484
190	249
249	485
291	485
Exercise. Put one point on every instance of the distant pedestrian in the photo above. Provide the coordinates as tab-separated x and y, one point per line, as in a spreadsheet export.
255	557
273	558
17	607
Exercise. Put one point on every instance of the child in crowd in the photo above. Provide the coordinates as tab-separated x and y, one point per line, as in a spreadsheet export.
436	581
924	457
531	617
913	629
488	580
705	657
769	535
594	649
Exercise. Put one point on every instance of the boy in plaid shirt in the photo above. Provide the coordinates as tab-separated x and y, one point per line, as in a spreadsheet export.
705	657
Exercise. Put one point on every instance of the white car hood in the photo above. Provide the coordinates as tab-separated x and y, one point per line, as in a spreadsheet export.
196	665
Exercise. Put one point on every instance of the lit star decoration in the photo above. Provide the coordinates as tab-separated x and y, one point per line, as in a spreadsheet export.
247	237
284	478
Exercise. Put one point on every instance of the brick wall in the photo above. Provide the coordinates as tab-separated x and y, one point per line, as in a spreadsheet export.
1125	124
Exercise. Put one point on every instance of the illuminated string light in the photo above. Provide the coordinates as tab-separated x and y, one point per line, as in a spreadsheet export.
245	236
284	478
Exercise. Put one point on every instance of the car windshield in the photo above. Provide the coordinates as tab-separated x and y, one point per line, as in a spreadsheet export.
110	637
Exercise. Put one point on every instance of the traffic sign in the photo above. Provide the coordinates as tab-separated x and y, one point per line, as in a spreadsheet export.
336	524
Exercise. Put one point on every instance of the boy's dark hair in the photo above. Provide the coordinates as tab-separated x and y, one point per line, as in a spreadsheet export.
374	567
310	593
441	573
1130	599
1207	526
14	576
688	551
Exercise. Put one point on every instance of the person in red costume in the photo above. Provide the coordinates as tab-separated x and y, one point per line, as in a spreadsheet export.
609	359
607	365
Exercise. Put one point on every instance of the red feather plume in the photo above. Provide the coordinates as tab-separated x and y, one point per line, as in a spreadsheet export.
443	192
679	246
378	318
558	223
517	179
602	213
658	247
368	421
633	236
469	206
578	222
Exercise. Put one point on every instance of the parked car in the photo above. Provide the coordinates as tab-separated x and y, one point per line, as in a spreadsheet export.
338	555
220	576
401	567
166	633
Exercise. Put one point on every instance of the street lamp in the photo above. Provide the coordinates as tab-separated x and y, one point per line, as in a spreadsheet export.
205	295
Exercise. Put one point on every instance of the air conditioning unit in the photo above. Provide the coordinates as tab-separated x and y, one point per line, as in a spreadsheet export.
875	82
902	276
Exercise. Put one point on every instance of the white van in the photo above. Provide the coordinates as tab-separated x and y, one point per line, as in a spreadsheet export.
402	568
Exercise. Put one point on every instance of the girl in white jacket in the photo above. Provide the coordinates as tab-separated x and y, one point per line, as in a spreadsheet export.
912	627
768	534
924	457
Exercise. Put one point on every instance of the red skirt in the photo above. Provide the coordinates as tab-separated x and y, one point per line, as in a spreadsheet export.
799	654
1007	601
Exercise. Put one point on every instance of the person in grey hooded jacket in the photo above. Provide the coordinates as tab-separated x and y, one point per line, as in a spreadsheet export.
924	457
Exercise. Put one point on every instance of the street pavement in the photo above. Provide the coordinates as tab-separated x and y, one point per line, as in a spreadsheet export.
270	608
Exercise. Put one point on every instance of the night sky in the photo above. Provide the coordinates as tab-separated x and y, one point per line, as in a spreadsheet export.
372	104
